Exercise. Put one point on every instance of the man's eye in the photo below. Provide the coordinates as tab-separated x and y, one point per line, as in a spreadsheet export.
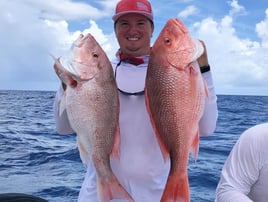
124	24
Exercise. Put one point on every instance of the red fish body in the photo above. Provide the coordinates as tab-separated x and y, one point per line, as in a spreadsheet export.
92	105
175	97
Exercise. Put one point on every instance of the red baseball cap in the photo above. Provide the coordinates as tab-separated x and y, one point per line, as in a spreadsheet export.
142	7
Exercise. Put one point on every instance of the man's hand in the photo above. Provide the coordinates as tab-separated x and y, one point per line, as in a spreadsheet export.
203	59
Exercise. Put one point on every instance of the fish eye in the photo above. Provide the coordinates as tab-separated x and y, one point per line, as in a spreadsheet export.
95	55
167	41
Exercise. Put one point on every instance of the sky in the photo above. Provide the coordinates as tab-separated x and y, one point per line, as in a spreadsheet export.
235	33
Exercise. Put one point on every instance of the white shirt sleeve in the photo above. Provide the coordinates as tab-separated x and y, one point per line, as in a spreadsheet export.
62	123
242	168
208	121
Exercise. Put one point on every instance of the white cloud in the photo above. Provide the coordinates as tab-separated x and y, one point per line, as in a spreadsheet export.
188	11
236	63
185	1
236	8
107	41
27	40
262	30
65	9
31	29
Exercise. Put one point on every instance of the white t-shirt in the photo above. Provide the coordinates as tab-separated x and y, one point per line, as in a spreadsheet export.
141	168
244	175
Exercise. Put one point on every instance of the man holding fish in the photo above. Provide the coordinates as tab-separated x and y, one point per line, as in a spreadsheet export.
141	169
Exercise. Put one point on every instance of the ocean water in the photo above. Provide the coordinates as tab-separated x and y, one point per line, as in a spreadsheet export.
35	160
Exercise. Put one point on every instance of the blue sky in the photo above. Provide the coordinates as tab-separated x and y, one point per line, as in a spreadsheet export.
235	32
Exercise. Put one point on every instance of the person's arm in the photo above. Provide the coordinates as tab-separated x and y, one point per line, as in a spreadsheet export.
241	169
62	123
209	119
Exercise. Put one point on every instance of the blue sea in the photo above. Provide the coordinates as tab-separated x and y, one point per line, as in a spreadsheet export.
35	160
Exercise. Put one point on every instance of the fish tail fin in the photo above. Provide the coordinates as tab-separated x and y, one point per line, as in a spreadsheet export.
112	189
176	189
195	145
163	148
116	146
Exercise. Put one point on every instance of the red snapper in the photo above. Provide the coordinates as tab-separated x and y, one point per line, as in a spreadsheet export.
175	98
92	104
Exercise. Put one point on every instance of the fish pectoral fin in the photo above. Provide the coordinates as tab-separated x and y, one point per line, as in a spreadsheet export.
82	152
195	145
193	69
62	104
116	146
162	146
206	88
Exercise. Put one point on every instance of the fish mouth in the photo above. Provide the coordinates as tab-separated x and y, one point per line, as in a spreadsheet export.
175	20
180	24
81	40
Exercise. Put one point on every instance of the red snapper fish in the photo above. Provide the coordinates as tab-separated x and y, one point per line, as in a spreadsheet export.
92	105
175	98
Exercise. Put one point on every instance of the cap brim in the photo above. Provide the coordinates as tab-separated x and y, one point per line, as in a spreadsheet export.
117	16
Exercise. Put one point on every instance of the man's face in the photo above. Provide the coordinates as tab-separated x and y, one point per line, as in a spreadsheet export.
134	32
